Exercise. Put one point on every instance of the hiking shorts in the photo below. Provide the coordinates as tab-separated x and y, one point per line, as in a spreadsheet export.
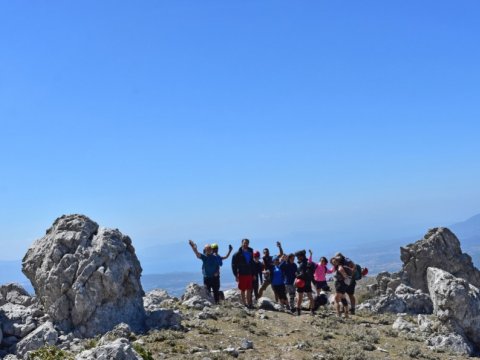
351	288
280	291
306	289
322	285
340	287
245	282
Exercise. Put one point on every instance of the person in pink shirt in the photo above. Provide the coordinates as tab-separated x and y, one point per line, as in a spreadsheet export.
321	271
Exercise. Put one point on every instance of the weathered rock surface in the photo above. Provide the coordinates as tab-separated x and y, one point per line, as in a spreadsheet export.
120	349
44	335
196	297
452	342
266	303
19	320
86	277
456	303
403	300
15	294
441	249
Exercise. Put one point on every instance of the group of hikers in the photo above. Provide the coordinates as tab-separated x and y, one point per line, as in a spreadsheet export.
286	277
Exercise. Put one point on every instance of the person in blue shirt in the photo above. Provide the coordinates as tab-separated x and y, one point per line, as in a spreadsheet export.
289	269
210	269
278	282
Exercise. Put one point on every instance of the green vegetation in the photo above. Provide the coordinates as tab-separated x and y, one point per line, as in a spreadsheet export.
50	353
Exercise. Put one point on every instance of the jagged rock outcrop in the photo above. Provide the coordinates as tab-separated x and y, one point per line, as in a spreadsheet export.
196	297
403	300
441	249
120	349
43	335
456	303
86	277
15	294
158	315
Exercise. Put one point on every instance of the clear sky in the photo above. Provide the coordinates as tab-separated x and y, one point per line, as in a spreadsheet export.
223	119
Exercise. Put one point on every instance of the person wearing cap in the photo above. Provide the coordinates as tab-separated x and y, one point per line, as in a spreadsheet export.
210	269
304	276
257	274
220	262
243	269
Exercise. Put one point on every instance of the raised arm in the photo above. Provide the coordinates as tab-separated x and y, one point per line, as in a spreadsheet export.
194	248
230	248
280	248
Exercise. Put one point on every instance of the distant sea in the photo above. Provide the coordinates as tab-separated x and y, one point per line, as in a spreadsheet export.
173	283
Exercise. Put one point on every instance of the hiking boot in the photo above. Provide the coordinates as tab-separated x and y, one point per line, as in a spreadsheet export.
299	312
352	311
312	312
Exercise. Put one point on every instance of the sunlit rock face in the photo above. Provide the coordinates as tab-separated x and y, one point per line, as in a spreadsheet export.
86	277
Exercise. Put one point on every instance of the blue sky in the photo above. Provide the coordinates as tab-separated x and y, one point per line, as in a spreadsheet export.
218	120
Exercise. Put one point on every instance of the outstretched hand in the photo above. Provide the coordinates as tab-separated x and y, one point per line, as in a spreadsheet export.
230	247
310	251
192	244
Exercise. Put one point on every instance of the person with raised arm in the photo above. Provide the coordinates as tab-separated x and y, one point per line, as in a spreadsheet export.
210	269
320	274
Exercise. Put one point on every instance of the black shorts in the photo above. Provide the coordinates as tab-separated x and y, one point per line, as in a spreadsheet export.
306	289
321	285
280	291
351	288
340	287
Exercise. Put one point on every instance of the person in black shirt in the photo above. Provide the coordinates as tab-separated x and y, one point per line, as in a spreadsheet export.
303	280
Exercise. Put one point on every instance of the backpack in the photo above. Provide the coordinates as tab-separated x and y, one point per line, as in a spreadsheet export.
358	272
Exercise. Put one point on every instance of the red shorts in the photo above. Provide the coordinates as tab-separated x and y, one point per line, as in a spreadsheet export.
245	282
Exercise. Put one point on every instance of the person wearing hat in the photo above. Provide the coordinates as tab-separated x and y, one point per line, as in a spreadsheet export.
220	263
210	269
303	281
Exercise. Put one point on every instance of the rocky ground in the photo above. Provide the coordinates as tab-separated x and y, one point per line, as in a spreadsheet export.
229	330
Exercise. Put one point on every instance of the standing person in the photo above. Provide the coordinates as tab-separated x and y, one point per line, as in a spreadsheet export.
278	282
243	270
342	280
257	274
220	263
289	269
350	290
268	268
319	276
210	269
304	276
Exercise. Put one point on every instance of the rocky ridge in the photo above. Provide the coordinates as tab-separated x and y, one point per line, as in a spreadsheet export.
80	259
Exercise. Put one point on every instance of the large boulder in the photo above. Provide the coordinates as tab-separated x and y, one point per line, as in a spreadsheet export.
196	297
19	320
439	248
456	303
86	277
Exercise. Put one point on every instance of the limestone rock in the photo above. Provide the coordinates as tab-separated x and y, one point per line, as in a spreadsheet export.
232	295
439	248
44	335
196	297
156	299
18	320
122	330
452	342
401	324
120	349
86	277
456	303
15	294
